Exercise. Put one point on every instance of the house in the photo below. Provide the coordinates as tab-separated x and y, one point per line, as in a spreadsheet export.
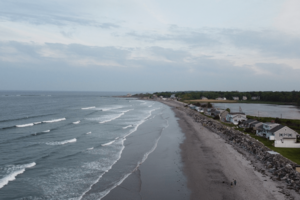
235	98
255	98
283	136
203	98
264	130
220	98
244	98
256	125
247	123
236	117
128	95
172	96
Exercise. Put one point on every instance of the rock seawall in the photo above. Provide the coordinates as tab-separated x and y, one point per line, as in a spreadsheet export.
277	167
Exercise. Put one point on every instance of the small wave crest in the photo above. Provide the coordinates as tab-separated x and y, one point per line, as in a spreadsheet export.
125	127
88	133
108	120
62	142
91	148
87	108
12	172
24	125
76	122
109	143
54	120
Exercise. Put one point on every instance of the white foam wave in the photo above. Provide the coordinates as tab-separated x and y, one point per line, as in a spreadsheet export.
15	170
76	122
24	125
88	132
91	148
88	108
127	126
104	193
116	138
111	108
47	131
109	143
116	117
62	142
54	120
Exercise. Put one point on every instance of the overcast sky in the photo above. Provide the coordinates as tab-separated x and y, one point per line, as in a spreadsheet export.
149	45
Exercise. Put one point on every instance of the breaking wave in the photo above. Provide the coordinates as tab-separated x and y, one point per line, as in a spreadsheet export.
54	120
24	125
109	143
88	108
76	122
13	171
62	142
108	120
88	132
125	127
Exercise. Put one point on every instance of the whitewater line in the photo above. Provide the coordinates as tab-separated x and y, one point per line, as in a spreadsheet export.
123	147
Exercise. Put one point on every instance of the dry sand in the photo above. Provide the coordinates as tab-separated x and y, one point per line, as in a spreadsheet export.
210	165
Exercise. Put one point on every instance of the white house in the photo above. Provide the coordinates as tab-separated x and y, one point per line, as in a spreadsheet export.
203	98
220	98
244	98
235	98
236	117
173	96
283	136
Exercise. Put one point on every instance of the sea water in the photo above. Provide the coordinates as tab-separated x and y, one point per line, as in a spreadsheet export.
63	145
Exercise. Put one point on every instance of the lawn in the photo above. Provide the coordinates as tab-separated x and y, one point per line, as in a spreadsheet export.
291	153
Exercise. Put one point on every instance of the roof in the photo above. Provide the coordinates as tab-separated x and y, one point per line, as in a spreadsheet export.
260	126
276	128
256	123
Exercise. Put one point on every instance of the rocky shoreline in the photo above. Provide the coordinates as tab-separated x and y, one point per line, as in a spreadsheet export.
274	166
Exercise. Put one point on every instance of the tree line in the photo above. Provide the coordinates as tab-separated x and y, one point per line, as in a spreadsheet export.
283	96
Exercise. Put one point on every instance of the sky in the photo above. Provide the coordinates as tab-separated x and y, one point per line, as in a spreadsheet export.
150	45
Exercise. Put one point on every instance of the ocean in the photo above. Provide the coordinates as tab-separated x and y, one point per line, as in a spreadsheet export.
63	145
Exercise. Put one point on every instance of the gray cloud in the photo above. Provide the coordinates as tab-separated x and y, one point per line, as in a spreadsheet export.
179	69
193	39
269	43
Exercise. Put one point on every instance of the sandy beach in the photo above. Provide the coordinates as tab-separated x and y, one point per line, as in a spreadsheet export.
192	162
211	164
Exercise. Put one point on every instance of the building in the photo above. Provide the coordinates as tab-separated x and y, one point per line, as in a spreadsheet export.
172	96
128	95
236	117
247	123
255	98
283	136
235	98
220	98
256	125
203	98
244	98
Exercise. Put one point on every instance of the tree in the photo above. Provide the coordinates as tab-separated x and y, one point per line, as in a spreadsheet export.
209	105
228	110
277	120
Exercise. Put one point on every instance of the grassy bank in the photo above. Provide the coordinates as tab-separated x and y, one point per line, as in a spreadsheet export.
290	153
268	102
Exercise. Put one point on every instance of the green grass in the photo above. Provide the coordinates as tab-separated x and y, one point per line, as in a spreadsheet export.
291	153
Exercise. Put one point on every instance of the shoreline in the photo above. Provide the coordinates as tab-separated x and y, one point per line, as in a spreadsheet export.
210	164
